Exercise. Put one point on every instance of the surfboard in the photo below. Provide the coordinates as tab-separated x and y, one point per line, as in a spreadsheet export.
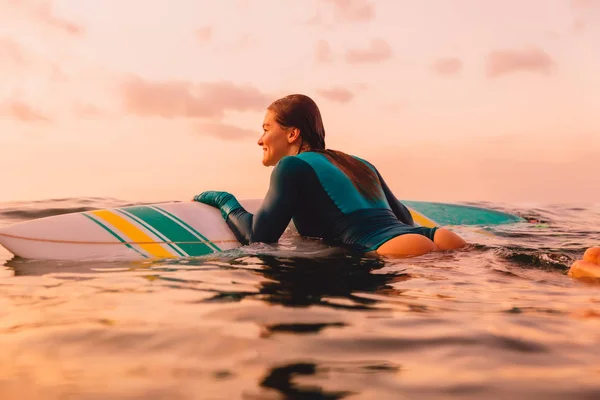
177	230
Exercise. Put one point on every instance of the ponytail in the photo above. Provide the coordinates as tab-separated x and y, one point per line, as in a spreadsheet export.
361	175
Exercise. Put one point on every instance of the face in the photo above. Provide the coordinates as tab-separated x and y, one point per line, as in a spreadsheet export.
277	141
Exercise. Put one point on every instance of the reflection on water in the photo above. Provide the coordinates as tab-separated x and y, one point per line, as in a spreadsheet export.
304	321
302	282
281	379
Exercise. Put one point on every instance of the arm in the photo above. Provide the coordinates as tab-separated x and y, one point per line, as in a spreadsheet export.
399	209
274	215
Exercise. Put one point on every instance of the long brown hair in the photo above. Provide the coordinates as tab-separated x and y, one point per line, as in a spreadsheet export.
301	112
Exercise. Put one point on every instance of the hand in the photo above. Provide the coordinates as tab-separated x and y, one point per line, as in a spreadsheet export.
213	198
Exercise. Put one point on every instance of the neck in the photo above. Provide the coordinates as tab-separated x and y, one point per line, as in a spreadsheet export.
297	149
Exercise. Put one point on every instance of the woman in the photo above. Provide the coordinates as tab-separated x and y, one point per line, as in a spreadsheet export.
330	195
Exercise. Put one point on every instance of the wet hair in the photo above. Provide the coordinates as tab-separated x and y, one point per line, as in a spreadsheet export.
301	112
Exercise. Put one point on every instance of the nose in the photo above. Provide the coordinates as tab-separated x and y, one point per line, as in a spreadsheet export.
260	140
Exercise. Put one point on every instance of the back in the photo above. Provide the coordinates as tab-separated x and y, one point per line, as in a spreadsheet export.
338	186
324	203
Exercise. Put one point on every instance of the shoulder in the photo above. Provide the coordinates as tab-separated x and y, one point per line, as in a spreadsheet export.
289	165
310	157
369	164
291	162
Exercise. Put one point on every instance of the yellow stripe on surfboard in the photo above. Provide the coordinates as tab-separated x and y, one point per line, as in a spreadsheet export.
421	219
134	233
429	223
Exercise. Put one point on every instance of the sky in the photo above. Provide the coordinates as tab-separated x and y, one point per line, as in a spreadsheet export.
157	100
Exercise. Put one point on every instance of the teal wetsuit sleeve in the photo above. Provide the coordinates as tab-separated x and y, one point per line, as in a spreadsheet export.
225	202
399	209
269	222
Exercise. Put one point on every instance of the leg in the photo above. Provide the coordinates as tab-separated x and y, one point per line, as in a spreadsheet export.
410	244
448	240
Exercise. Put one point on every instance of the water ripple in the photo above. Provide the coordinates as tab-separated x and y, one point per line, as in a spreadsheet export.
499	320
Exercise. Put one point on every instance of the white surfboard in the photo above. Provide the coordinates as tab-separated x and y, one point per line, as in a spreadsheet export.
174	230
167	230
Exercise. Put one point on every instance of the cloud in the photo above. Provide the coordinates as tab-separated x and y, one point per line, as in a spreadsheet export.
17	59
204	34
576	4
353	10
316	19
44	14
40	12
21	111
11	52
244	42
87	110
447	66
586	14
226	131
552	34
324	54
173	99
337	94
378	50
579	25
504	62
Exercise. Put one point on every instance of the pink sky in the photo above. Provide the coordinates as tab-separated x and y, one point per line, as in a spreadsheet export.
160	100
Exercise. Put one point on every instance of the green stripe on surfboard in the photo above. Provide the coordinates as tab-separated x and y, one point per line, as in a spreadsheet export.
175	248
114	234
458	214
182	222
171	230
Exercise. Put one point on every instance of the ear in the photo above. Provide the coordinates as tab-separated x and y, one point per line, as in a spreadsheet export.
293	134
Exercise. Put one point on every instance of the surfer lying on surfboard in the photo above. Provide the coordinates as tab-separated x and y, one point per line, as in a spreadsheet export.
330	195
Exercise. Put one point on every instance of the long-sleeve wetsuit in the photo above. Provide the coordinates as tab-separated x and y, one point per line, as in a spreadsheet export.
323	203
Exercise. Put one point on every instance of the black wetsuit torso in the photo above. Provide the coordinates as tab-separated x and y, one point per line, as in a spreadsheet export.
323	203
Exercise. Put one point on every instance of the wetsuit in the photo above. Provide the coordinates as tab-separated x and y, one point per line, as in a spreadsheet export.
323	203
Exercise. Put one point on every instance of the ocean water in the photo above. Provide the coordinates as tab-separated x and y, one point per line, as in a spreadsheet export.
301	320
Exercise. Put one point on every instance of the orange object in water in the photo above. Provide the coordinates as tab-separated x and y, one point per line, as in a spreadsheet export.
592	255
589	266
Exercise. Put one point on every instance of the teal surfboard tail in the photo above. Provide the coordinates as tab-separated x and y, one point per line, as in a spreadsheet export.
458	214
